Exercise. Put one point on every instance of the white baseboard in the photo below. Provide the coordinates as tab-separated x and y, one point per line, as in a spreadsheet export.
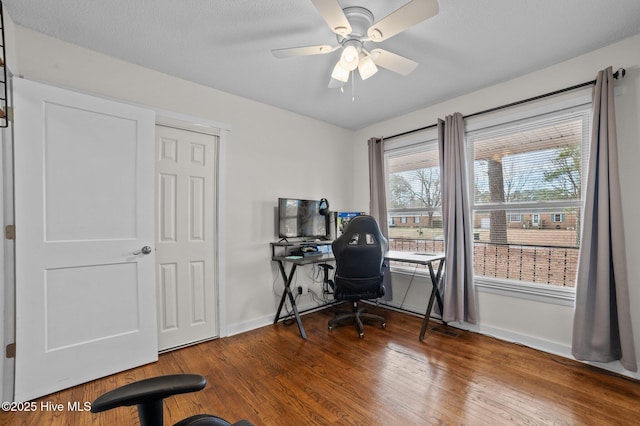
517	338
541	345
233	329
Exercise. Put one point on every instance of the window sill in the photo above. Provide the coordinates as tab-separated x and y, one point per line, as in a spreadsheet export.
556	295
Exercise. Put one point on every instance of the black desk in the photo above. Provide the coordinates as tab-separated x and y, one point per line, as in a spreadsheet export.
295	261
426	259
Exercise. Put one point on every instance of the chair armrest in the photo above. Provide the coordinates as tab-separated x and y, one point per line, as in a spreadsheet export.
143	391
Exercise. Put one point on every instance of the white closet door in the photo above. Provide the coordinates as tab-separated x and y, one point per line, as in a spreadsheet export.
185	257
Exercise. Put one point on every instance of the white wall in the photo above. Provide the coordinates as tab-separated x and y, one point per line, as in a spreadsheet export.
539	324
270	153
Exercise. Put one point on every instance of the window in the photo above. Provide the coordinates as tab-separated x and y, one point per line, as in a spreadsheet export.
515	218
526	174
413	190
535	167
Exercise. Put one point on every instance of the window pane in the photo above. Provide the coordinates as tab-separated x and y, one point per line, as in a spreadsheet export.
414	179
414	199
540	252
536	227
530	162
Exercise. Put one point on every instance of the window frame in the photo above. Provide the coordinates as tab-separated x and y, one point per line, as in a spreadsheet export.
579	99
399	148
579	103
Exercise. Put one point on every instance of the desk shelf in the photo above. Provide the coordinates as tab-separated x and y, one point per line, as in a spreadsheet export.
282	249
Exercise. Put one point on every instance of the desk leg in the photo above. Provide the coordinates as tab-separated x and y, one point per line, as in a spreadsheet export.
437	283
435	295
287	293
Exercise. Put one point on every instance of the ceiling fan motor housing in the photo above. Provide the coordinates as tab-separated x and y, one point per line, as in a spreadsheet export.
360	19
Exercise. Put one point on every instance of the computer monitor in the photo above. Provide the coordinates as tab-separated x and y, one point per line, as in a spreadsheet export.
301	219
342	220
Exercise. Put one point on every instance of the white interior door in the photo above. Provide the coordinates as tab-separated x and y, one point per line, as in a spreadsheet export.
185	217
85	302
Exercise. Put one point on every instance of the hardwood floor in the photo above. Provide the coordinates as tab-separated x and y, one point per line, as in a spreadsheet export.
270	376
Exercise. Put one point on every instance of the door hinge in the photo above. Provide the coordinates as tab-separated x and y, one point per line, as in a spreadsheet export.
10	232
6	113
10	350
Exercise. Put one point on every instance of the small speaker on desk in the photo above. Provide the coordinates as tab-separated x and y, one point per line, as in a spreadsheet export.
333	222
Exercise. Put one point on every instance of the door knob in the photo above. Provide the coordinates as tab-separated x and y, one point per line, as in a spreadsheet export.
143	250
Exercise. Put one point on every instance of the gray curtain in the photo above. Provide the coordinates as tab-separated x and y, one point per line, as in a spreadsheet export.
602	319
378	201
459	296
377	185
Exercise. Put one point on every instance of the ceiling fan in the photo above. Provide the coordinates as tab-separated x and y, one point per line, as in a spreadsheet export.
354	28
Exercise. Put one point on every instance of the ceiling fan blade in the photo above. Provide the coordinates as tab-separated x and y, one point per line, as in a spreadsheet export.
332	13
392	62
291	52
407	16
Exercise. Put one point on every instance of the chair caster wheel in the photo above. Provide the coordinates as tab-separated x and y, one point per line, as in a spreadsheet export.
383	325
330	328
361	335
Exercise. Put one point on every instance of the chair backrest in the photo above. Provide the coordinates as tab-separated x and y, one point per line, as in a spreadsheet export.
359	254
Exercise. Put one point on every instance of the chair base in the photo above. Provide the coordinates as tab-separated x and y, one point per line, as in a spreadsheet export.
357	317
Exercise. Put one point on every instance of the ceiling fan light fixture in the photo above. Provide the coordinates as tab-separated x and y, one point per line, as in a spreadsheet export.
366	67
340	73
349	57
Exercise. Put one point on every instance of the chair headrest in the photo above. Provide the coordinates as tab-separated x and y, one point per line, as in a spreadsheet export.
363	223
362	230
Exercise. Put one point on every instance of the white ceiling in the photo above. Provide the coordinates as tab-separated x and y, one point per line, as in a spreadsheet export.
226	44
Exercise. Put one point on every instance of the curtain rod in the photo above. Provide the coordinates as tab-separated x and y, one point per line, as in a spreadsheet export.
619	74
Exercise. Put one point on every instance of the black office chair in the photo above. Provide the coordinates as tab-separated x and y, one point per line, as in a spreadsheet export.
148	395
359	253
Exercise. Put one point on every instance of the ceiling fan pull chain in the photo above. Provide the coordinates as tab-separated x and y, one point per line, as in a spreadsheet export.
353	87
